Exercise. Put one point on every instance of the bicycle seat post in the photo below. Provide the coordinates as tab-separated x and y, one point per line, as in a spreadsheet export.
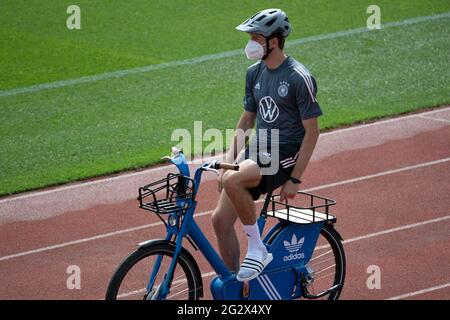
266	203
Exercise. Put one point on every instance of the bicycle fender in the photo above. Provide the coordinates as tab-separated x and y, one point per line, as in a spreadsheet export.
332	229
151	242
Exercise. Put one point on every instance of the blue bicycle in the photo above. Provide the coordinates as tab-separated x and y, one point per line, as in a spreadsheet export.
308	256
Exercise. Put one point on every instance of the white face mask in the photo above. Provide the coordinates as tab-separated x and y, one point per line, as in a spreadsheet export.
254	50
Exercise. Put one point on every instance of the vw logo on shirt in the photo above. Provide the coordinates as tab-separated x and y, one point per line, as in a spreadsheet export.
268	109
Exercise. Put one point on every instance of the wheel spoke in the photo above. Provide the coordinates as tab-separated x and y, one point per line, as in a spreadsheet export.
131	293
133	275
327	264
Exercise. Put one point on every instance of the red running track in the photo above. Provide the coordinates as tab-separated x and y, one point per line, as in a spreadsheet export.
393	211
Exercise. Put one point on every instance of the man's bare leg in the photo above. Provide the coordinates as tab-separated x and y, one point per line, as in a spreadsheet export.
223	219
236	185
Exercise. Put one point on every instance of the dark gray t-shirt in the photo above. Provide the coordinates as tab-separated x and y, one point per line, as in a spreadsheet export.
282	98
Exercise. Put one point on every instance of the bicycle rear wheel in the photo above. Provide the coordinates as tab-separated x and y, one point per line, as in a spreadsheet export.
327	264
131	279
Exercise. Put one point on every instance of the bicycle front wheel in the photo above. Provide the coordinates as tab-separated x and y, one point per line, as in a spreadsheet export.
131	280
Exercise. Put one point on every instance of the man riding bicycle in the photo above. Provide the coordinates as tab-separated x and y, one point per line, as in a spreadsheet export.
280	95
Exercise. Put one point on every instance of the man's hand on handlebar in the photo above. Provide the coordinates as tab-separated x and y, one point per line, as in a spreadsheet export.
223	168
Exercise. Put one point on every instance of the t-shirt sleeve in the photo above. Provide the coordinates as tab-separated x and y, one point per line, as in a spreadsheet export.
306	97
249	99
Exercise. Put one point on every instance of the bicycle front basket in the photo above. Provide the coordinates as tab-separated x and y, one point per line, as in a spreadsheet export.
173	193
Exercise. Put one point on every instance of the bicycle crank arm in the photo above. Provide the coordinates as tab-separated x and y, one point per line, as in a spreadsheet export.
307	295
245	290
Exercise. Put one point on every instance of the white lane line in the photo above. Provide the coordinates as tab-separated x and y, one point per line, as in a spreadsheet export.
387	231
208	274
221	55
382	122
376	234
401	228
196	161
101	236
70	243
415	293
143	290
435	119
376	175
110	234
371	235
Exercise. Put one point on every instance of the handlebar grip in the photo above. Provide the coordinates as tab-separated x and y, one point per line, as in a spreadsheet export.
227	166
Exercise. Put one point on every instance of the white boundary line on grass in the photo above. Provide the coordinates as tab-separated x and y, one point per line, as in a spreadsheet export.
220	55
32	194
110	234
415	293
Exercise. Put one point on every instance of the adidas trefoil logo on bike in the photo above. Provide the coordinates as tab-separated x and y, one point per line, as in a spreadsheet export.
293	247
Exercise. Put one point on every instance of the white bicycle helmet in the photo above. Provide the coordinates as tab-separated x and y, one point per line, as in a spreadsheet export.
268	23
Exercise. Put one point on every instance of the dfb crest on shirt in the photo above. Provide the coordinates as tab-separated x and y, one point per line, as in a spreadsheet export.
283	89
268	109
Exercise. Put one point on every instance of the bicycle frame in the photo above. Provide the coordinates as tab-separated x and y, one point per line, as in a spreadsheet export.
190	229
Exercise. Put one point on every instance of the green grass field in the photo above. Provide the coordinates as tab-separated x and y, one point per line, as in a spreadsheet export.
58	135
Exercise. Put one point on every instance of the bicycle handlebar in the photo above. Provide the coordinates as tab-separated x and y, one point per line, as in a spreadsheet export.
226	166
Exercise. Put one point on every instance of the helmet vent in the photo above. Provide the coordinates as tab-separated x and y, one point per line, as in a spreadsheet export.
261	17
271	22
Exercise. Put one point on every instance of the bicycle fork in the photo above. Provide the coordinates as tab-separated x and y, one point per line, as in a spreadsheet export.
162	289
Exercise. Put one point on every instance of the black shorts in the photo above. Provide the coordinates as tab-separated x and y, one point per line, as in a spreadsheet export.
288	155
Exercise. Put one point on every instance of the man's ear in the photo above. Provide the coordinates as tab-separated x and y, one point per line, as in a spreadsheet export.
273	43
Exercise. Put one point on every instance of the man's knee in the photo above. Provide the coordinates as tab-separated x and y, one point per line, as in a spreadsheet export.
230	180
248	177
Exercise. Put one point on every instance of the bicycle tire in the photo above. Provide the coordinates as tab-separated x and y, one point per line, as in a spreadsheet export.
334	239
165	249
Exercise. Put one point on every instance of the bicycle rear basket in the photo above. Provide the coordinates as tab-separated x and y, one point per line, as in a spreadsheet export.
173	193
302	210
